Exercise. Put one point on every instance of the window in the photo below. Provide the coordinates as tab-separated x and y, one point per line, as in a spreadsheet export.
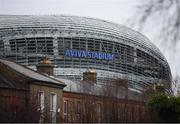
53	102
41	105
41	100
78	111
99	112
78	106
53	106
65	111
99	108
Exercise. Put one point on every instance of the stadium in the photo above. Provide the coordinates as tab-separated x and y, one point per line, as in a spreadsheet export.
75	44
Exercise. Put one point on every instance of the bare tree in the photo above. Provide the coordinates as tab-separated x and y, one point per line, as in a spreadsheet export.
164	18
106	103
164	14
176	85
115	90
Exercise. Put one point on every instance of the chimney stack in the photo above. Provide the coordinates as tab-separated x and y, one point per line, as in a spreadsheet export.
90	76
45	67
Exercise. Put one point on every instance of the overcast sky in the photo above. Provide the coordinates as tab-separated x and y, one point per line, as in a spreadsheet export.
118	11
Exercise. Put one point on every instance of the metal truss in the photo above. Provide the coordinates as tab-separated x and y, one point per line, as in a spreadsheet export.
27	39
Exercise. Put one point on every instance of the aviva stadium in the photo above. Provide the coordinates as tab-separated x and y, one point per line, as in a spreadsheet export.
75	44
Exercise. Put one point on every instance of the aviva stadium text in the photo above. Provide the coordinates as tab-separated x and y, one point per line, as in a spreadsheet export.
88	54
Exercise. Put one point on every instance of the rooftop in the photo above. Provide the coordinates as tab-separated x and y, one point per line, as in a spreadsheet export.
30	73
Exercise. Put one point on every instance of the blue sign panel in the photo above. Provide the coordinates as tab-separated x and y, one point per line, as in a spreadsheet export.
88	54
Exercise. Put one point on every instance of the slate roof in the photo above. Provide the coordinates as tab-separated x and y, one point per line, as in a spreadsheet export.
30	73
5	83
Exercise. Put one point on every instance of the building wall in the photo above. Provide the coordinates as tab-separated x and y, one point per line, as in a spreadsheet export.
34	89
13	105
23	106
88	108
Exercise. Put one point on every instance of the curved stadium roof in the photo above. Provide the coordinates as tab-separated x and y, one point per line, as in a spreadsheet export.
86	24
78	24
15	26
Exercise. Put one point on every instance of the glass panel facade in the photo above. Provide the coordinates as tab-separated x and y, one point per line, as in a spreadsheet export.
135	58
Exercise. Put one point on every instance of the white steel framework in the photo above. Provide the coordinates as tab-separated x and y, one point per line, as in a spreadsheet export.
27	39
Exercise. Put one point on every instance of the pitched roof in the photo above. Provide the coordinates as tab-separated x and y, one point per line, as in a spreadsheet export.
5	83
31	73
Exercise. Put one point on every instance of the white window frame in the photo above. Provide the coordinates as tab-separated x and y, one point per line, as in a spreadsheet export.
53	109
41	105
65	102
41	101
65	112
53	106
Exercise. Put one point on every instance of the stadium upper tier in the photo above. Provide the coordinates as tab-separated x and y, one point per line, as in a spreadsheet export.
19	23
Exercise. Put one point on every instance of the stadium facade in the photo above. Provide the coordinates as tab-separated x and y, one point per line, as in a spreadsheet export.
75	44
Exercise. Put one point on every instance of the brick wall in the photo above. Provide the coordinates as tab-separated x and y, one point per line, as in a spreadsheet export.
13	105
101	109
34	89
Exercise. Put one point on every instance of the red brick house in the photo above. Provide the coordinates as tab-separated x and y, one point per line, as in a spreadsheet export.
86	101
79	107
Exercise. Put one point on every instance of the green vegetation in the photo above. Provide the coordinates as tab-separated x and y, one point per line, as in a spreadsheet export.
163	108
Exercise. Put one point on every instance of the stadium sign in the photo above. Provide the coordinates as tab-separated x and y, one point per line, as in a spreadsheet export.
88	54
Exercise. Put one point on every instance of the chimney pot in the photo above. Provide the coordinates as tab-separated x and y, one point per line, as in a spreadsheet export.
45	67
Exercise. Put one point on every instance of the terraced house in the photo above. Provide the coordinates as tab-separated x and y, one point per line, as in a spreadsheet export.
27	96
